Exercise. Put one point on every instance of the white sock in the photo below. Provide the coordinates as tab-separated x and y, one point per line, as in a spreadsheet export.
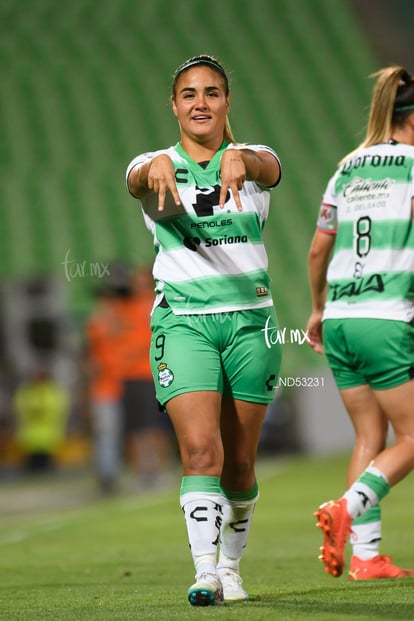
237	519
203	517
365	540
360	498
376	472
367	491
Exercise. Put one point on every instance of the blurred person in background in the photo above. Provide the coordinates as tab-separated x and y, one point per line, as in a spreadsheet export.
102	335
146	435
362	312
206	200
8	385
41	407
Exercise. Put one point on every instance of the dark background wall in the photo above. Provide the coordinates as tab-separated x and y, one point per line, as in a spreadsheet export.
389	26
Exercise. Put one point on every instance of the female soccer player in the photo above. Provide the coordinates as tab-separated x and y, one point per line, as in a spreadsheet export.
206	200
366	219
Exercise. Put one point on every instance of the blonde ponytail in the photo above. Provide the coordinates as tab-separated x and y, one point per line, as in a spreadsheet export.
382	116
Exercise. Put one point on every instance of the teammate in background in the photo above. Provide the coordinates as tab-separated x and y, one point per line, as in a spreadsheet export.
206	200
364	297
102	366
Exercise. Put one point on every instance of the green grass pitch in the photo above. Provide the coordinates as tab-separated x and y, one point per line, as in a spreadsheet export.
127	558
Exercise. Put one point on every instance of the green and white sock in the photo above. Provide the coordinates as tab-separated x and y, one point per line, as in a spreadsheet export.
201	502
366	492
366	534
238	508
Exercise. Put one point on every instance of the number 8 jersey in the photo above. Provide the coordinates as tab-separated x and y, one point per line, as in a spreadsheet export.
369	205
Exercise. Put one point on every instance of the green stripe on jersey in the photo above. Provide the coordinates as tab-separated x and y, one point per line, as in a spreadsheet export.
371	287
224	290
376	167
383	234
208	176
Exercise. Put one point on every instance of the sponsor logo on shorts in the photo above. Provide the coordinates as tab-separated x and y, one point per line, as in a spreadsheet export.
165	375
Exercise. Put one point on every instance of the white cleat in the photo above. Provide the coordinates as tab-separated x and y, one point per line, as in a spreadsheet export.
232	585
206	591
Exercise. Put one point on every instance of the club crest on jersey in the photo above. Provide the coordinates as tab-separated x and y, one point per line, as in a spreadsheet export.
165	375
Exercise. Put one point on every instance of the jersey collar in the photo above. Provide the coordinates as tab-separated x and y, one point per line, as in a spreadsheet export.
211	163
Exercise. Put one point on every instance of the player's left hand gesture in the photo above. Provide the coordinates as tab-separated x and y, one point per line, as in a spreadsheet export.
237	165
233	175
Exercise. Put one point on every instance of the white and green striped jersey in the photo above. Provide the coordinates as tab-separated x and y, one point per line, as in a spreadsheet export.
368	203
208	260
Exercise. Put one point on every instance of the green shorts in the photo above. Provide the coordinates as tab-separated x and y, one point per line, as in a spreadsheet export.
378	352
233	353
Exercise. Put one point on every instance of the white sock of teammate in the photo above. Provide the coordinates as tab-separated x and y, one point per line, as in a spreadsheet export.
366	492
366	534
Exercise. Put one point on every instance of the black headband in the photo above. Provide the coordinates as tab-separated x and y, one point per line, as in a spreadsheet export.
200	61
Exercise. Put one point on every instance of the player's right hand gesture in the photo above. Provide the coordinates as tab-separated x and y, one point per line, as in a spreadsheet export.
161	179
